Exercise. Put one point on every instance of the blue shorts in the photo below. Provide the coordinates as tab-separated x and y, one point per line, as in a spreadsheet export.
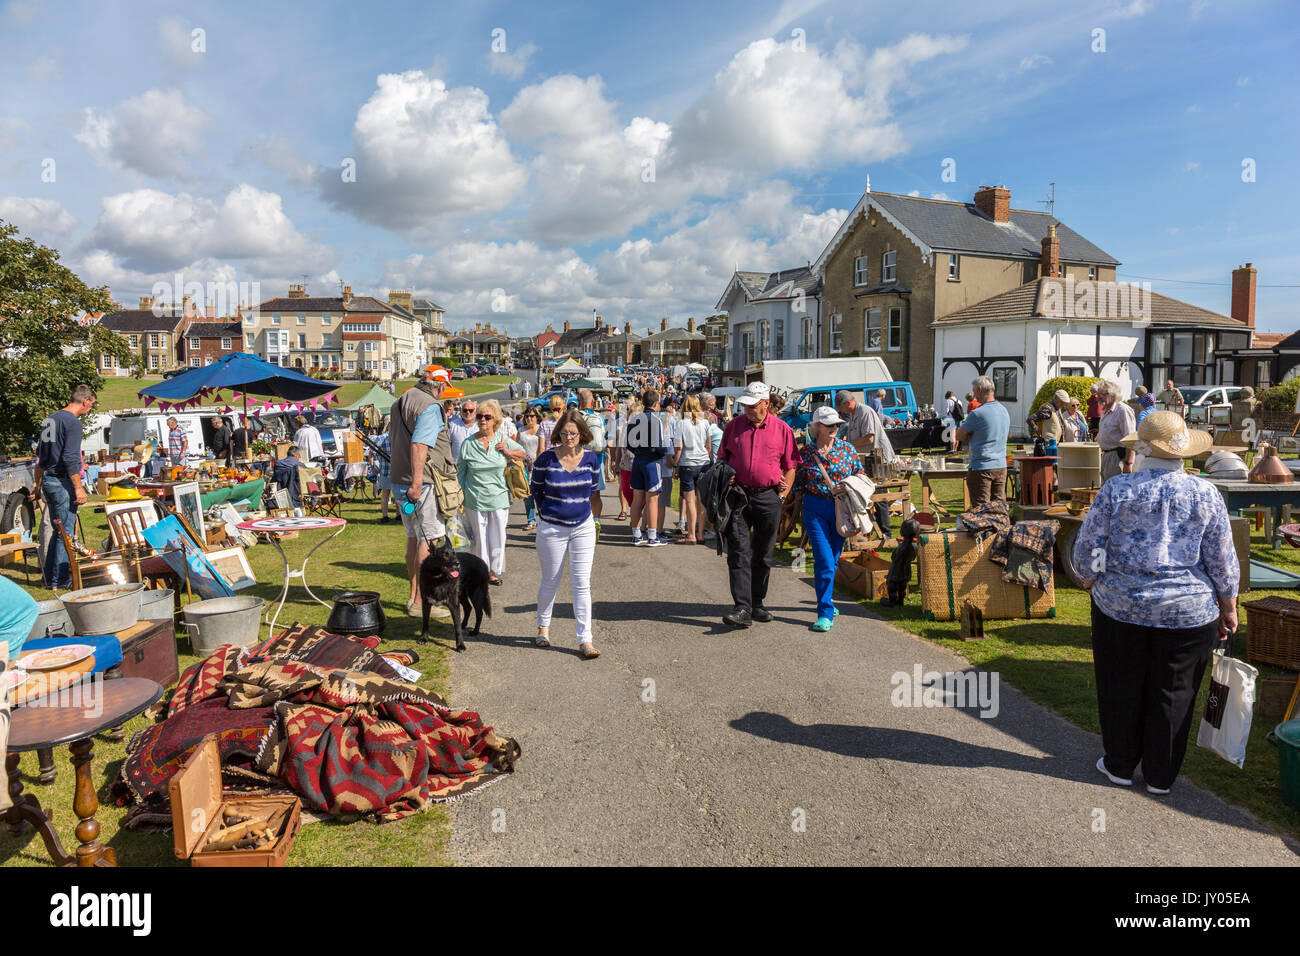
688	475
646	476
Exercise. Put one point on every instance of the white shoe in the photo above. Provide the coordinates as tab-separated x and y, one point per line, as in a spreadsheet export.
1101	765
1156	790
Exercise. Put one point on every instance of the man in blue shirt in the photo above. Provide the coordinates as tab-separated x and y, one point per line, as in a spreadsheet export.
58	476
986	428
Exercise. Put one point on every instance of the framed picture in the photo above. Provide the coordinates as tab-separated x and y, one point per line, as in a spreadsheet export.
186	558
190	506
232	564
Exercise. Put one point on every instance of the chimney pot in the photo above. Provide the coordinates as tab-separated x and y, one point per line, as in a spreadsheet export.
146	302
599	321
690	324
566	325
627	328
994	202
1243	295
663	324
1050	261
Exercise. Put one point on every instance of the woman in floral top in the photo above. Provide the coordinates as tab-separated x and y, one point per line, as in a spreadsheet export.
840	460
1156	548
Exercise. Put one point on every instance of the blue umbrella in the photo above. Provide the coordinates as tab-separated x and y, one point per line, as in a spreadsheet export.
242	371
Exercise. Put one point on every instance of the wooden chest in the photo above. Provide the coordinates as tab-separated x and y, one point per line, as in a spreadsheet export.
198	812
149	650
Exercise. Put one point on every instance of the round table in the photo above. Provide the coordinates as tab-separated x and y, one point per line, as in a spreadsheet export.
72	719
275	529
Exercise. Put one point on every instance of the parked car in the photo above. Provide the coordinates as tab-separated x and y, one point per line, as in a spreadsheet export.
459	373
1201	400
899	401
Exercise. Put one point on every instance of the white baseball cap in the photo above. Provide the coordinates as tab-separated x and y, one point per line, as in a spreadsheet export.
827	416
756	393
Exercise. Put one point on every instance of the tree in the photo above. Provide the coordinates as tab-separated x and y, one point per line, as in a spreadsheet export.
46	351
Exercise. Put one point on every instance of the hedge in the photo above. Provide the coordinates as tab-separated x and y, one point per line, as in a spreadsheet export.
1079	386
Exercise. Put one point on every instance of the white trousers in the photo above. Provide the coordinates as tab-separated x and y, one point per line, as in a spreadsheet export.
555	543
489	533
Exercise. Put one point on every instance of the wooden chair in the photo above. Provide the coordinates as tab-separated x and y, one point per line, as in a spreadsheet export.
14	548
317	499
127	528
86	572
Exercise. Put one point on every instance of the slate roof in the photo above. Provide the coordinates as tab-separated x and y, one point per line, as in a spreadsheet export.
358	303
213	330
1031	300
753	282
961	227
789	282
424	305
140	320
474	338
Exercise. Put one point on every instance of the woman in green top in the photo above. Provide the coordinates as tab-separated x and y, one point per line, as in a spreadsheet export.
481	471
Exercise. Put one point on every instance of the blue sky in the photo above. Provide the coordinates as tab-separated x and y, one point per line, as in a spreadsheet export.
624	158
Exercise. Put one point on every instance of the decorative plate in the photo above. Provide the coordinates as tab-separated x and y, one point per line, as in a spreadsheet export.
55	658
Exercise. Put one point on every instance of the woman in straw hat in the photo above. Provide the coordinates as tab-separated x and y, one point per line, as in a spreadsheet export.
1157	550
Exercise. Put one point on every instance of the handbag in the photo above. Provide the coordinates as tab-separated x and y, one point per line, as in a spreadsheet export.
517	480
1225	725
846	521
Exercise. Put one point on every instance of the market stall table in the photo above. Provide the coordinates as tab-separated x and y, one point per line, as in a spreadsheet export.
928	499
1239	493
49	722
275	528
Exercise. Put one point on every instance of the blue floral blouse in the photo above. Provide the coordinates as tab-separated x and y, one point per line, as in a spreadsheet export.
1159	548
840	462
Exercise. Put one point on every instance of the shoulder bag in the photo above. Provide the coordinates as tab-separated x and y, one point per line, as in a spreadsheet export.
848	521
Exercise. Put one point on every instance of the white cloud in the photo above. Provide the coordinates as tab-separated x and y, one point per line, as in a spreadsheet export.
510	65
423	151
1034	62
153	231
1243	81
1192	166
1193	108
940	195
152	133
757	114
23	11
638	281
45	220
1134	8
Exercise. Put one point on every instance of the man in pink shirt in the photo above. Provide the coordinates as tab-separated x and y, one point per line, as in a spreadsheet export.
760	448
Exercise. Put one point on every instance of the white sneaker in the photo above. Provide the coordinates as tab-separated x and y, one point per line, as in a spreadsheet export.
1101	765
1156	790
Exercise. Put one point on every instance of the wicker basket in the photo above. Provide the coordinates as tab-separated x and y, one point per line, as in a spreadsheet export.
1273	632
955	569
1084	495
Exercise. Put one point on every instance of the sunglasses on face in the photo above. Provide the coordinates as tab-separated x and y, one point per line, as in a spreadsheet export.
484	418
568	434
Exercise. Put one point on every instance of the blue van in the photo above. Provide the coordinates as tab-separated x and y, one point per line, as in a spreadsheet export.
899	401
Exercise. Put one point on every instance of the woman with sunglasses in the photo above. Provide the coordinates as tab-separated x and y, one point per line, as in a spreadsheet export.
481	471
825	456
564	479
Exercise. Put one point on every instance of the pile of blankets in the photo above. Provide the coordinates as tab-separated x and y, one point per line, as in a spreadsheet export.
323	714
1024	550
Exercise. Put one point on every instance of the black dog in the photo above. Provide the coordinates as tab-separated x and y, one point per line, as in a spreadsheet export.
457	580
900	568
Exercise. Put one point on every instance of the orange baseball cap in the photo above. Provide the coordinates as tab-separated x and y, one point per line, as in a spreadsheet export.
436	372
451	391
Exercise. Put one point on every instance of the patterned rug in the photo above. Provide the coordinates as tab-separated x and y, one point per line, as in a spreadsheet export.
345	739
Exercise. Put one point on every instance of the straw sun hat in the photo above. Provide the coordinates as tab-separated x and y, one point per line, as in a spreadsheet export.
1165	435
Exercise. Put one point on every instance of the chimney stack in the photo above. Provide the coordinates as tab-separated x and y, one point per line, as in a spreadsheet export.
663	324
1243	294
566	325
297	292
690	324
627	328
994	202
347	294
599	321
1050	262
146	302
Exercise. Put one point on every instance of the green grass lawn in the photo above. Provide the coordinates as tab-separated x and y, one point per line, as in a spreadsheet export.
123	392
367	556
1050	661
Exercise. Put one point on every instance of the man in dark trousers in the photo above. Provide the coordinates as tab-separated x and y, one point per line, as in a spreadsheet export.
760	448
58	478
222	447
239	439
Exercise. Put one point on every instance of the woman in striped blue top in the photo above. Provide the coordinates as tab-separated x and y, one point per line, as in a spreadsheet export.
565	476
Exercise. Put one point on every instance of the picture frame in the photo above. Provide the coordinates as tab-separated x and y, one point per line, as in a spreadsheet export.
232	564
189	504
186	558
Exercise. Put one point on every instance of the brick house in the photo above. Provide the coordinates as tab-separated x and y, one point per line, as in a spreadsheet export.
202	343
899	263
480	344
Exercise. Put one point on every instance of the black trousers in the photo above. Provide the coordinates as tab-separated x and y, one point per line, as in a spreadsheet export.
750	538
1147	679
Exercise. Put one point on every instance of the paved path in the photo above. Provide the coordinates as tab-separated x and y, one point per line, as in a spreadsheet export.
750	731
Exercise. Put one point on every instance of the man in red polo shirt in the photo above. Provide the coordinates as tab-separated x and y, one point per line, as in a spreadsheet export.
760	447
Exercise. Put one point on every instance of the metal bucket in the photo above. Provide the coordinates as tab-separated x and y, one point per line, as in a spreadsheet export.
106	609
156	605
218	621
52	618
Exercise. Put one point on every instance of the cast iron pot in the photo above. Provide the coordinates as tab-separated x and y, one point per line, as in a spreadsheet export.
357	613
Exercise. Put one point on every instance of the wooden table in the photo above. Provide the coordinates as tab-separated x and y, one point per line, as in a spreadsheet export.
927	495
1239	493
48	723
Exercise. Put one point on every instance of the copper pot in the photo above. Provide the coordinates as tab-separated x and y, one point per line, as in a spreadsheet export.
1270	469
